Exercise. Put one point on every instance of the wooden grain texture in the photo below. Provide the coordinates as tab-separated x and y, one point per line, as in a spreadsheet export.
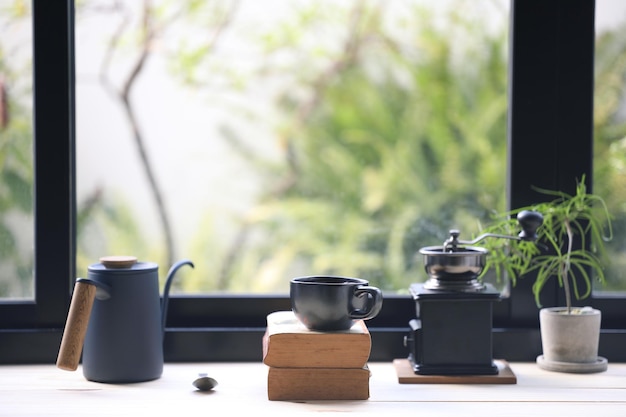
289	384
44	390
287	343
76	326
406	375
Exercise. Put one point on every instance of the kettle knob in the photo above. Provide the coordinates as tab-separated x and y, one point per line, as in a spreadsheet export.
118	262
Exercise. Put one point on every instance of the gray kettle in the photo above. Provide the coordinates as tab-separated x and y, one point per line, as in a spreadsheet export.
117	320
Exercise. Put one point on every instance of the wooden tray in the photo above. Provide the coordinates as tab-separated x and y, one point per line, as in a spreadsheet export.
406	375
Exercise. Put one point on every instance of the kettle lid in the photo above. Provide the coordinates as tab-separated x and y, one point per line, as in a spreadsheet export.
121	265
118	262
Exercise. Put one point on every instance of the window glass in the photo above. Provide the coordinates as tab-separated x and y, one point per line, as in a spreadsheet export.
266	140
16	151
610	131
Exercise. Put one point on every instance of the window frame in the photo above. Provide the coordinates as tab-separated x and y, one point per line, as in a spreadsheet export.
550	107
25	326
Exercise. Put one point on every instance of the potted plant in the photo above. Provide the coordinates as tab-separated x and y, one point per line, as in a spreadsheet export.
569	248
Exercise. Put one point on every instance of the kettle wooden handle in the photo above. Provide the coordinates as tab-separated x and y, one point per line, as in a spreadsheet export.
76	326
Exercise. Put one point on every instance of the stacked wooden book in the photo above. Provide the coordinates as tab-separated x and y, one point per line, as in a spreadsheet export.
310	365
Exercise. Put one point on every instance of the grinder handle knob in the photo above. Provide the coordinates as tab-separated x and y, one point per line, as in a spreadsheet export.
530	222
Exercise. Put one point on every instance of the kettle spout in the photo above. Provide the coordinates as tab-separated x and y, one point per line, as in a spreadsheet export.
166	290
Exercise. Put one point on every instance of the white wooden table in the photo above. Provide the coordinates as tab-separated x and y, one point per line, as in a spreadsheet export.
44	390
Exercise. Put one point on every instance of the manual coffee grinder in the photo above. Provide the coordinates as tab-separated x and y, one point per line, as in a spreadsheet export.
452	331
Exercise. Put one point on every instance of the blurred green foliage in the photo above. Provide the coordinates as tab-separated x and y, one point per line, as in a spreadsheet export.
391	129
391	135
610	145
16	157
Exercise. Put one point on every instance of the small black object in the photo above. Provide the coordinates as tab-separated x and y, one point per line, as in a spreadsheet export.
204	382
530	222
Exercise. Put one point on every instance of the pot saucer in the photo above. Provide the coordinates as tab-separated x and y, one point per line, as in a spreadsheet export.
600	365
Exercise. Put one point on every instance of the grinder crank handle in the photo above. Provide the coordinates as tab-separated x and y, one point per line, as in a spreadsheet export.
76	326
527	219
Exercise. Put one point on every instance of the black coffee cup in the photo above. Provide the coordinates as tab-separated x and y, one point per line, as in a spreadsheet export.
327	303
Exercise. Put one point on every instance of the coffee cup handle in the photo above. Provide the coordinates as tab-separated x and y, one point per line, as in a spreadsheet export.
374	302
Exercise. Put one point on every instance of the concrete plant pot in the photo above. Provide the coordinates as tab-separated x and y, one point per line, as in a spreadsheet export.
570	341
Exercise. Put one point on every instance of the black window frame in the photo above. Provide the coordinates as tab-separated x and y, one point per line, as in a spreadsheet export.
550	108
28	329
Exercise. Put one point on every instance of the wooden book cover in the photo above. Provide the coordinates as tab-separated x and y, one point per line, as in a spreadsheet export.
287	343
293	384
